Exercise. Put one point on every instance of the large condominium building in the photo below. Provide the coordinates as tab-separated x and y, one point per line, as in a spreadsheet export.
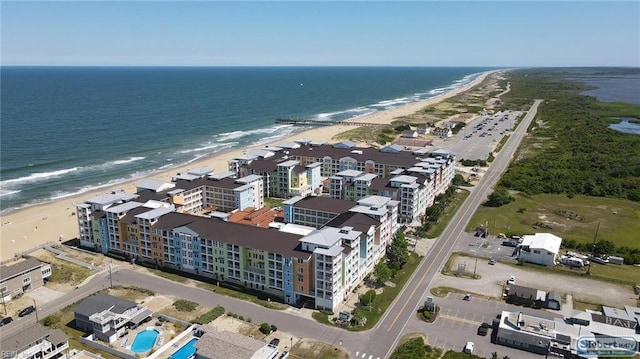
318	212
197	191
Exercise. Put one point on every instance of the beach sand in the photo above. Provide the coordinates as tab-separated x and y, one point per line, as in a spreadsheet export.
53	221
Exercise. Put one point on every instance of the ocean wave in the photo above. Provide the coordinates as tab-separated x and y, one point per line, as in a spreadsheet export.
122	162
209	147
4	192
38	176
239	134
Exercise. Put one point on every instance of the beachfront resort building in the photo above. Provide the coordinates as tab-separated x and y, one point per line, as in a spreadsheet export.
318	264
198	192
414	178
22	276
107	317
35	342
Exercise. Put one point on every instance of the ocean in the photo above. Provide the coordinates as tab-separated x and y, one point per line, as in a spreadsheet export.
68	130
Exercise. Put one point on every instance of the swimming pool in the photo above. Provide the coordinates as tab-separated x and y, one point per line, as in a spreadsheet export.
186	350
144	340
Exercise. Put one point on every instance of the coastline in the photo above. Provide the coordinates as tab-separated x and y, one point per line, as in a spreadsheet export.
29	227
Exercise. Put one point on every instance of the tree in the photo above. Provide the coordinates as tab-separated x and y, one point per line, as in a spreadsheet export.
498	198
382	273
397	251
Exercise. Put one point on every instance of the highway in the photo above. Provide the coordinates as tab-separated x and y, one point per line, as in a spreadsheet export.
373	344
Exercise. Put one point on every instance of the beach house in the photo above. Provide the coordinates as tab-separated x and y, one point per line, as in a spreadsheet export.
22	276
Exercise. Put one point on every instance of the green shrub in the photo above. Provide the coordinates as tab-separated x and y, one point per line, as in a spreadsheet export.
368	297
265	328
52	321
183	305
209	316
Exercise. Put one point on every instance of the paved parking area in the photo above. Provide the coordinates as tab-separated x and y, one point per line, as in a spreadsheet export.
459	320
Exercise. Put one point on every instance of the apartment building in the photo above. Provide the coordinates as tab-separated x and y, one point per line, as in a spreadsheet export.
350	185
22	276
35	342
314	211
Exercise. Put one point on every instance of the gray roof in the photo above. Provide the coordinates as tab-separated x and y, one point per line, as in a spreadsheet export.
7	272
224	344
101	302
23	339
324	204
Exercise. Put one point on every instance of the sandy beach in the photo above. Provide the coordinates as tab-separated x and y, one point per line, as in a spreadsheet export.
53	221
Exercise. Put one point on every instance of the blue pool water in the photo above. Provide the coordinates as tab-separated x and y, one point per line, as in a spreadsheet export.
144	340
186	350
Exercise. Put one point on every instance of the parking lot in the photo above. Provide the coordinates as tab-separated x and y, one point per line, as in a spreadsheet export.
458	323
492	277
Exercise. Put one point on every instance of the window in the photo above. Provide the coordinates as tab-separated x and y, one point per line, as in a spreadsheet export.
300	270
26	280
535	251
301	288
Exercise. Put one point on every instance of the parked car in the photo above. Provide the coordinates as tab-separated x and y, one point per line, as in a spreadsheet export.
482	331
5	321
467	297
274	342
469	347
511	280
284	355
26	311
492	261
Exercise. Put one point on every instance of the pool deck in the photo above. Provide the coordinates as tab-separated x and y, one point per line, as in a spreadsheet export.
168	348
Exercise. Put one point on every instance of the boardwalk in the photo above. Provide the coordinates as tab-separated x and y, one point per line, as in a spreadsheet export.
303	122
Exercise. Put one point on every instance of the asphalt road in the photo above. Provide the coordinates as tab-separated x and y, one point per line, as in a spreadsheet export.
376	343
383	339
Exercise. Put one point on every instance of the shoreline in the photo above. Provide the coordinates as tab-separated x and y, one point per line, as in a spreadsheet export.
28	227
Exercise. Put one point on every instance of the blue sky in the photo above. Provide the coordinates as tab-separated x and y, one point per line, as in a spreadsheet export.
362	33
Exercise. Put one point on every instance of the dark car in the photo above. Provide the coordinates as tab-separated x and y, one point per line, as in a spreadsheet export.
5	321
467	297
482	331
26	311
485	325
274	342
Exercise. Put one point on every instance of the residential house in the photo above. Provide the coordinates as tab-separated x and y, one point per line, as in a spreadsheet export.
22	276
108	317
35	342
443	132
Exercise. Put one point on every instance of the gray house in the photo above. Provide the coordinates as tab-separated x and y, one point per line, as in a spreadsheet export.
22	277
108	317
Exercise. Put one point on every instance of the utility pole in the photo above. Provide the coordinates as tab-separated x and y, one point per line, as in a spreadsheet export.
3	303
474	268
593	248
34	305
110	277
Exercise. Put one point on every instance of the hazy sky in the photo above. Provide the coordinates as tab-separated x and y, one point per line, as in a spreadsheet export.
393	33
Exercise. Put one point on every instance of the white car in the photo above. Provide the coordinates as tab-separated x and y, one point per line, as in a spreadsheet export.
468	348
511	280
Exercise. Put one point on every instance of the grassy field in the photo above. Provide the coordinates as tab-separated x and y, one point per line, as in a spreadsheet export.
619	219
449	212
311	349
64	275
243	296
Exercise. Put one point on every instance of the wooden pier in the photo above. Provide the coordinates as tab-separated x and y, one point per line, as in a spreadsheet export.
303	122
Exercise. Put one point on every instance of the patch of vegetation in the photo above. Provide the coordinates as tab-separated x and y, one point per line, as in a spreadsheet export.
132	293
579	153
68	273
183	305
52	320
209	316
450	354
312	349
273	202
619	219
415	348
438	216
498	198
237	292
171	276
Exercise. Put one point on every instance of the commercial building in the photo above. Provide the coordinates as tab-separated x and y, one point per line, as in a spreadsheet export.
541	248
22	276
564	337
35	342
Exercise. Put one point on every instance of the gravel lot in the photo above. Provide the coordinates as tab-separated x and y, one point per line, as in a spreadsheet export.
494	276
